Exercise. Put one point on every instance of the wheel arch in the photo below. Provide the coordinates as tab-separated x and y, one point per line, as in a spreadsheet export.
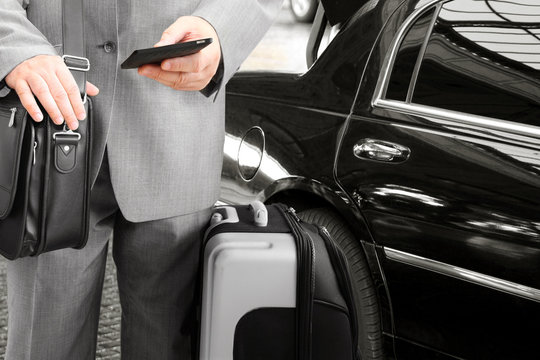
302	193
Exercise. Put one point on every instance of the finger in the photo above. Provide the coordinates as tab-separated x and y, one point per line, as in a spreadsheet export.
41	90
168	78
72	89
191	86
192	63
63	102
91	89
29	101
155	72
176	80
174	33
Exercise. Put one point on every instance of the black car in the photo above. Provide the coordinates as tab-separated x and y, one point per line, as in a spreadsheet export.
415	139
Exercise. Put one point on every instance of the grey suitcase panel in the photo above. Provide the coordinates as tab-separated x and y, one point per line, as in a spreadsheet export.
242	272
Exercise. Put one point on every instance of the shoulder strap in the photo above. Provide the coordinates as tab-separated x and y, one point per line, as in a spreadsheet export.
73	42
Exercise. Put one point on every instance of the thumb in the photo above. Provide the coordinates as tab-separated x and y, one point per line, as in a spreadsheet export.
174	33
91	89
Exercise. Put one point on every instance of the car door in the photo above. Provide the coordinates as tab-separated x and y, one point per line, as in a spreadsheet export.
442	155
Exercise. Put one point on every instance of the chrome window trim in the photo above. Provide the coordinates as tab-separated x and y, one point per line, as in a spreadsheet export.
463	274
388	64
409	108
422	53
459	117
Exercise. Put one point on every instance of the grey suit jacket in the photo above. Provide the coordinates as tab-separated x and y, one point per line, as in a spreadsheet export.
164	146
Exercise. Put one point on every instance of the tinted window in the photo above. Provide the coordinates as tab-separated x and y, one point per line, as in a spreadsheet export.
483	58
407	57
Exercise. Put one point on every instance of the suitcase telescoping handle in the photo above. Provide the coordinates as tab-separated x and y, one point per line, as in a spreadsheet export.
260	214
224	214
228	214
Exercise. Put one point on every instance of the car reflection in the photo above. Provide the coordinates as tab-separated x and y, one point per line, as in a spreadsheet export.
502	223
402	192
270	168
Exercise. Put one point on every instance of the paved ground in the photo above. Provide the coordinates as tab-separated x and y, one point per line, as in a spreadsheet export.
281	49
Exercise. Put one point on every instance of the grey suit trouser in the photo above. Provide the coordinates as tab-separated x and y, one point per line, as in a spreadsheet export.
54	299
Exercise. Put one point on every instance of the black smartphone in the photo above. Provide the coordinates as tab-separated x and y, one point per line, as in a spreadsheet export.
156	55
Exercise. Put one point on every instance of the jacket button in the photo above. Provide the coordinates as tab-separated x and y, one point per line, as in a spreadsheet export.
109	46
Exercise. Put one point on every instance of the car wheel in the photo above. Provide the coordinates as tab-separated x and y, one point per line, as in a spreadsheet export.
369	324
304	10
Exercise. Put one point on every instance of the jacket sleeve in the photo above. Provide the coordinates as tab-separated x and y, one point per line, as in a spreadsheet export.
240	25
19	38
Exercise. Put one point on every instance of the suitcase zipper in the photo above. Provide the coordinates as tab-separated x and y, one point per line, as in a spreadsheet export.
305	283
338	259
12	117
34	155
292	213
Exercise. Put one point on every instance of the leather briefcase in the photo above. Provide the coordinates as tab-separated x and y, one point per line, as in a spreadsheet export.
45	168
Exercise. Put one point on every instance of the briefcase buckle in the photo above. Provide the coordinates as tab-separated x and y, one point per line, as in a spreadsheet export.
66	135
76	63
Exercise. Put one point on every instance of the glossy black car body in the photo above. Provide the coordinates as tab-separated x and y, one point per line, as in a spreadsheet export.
420	126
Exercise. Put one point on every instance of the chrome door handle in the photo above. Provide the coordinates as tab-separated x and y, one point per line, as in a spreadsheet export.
378	150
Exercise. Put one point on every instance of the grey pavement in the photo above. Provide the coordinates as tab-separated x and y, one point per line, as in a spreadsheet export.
281	49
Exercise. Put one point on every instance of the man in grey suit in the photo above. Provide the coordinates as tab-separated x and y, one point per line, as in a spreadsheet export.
157	162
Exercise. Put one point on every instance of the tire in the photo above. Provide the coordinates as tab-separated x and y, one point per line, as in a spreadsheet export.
370	345
304	10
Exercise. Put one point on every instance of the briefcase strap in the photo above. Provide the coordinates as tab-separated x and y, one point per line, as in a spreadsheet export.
73	42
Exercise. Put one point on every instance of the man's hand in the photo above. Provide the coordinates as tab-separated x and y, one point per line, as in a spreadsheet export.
192	72
48	78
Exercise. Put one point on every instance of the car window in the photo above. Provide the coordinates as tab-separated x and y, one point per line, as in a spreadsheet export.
407	56
480	57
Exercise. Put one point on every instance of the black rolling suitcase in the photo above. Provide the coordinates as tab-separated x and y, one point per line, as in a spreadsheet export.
273	288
